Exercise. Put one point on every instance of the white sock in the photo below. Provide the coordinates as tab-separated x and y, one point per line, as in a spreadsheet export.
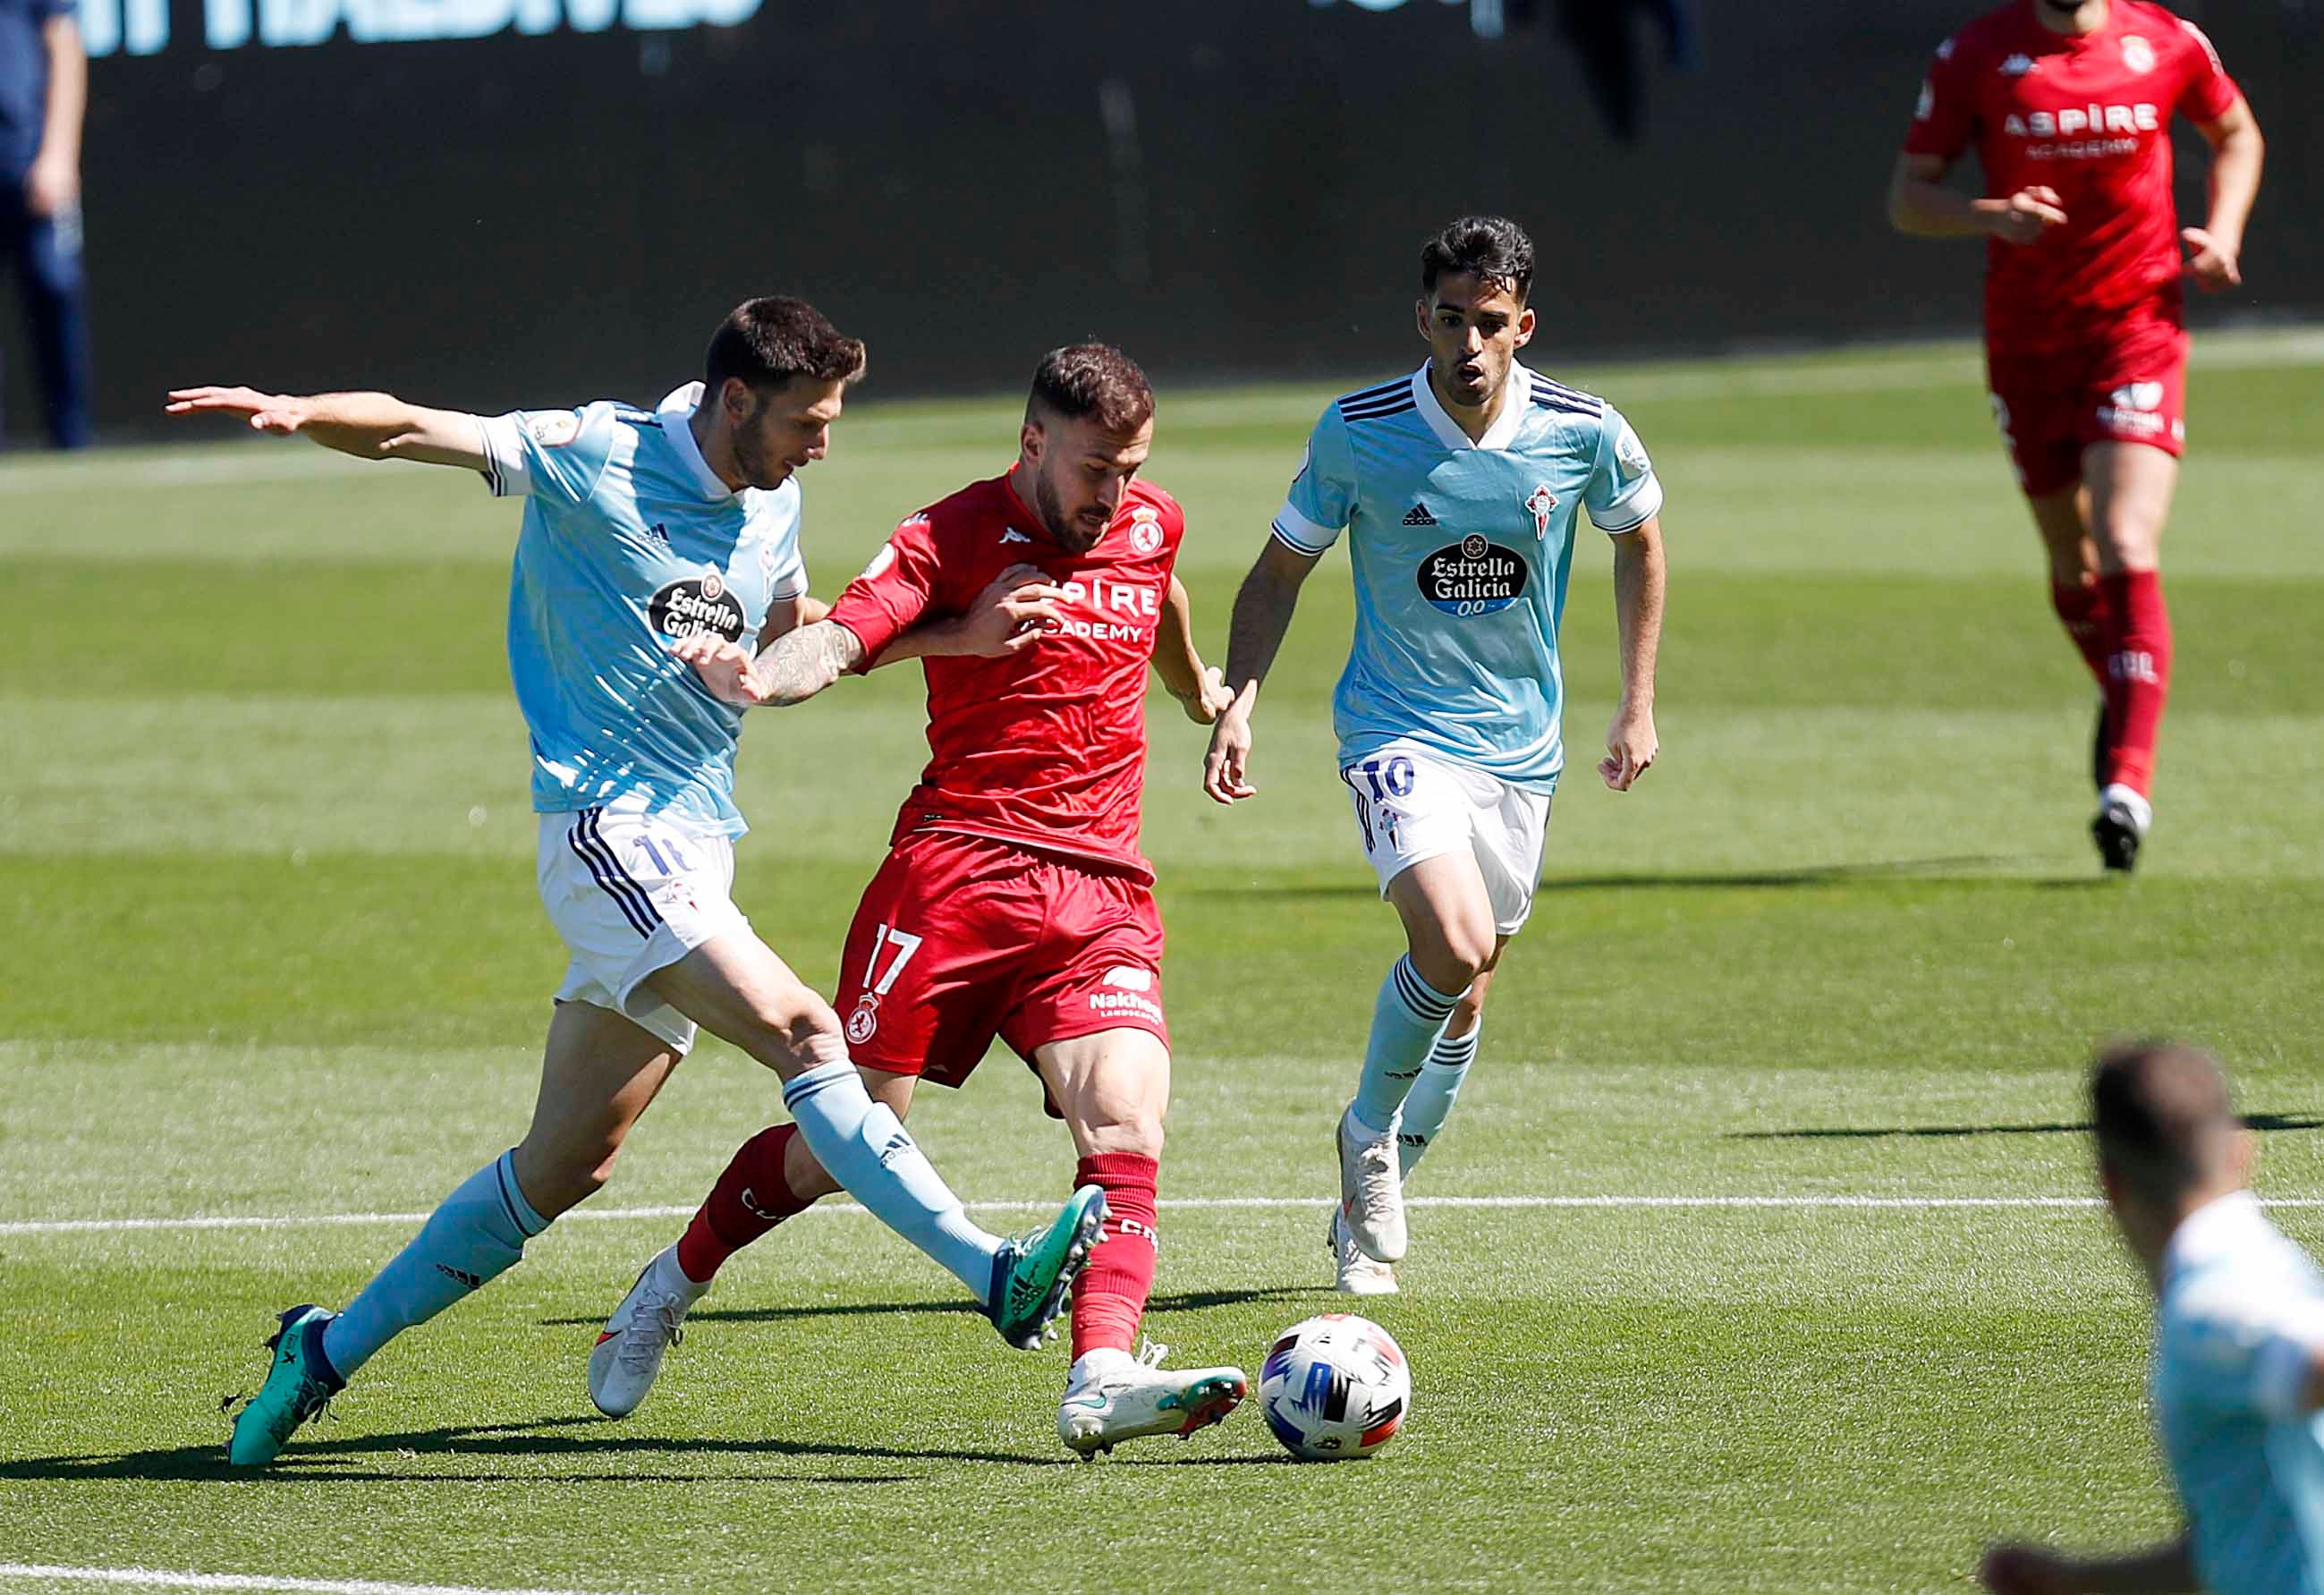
672	1280
2141	812
1096	1363
866	1150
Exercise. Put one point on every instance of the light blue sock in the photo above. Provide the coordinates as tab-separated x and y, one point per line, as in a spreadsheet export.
866	1150
1404	1023
477	1233
1432	1095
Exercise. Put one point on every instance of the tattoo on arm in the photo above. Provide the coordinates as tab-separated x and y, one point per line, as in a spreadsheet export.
799	664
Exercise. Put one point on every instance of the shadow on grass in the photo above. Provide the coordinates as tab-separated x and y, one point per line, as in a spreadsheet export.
1191	1301
2259	1122
324	1457
1968	869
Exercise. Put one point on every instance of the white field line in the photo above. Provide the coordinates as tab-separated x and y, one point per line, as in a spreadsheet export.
1180	1203
149	1578
2243	349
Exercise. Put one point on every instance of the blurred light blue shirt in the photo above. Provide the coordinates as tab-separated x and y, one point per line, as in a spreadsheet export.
2241	1318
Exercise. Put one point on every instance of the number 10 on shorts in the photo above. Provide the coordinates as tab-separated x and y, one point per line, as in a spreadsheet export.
905	942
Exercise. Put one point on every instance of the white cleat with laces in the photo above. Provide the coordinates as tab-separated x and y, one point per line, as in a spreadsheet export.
1358	1275
1115	1397
1372	1188
628	1354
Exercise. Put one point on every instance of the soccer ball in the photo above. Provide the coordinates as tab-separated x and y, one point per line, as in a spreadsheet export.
1334	1387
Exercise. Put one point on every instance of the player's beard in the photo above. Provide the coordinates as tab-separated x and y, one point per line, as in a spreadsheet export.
1068	531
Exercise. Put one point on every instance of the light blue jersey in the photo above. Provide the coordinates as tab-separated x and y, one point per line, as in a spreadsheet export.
2241	1318
1461	551
630	542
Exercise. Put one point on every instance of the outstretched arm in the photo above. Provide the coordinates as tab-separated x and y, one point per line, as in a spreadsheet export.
1200	690
1262	615
1630	745
368	425
791	669
798	660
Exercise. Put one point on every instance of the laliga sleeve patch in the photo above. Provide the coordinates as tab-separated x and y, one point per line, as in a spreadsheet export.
553	428
1631	453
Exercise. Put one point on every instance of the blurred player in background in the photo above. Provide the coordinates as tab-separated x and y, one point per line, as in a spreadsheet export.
2067	104
2238	1375
1457	486
1014	902
643	529
43	92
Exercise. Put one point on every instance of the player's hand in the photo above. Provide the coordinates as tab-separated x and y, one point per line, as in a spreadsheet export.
2027	1570
725	667
50	186
1210	699
2024	215
1011	613
1630	748
280	413
1223	765
2213	260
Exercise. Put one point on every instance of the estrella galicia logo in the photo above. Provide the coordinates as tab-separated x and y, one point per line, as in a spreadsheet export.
688	608
1472	577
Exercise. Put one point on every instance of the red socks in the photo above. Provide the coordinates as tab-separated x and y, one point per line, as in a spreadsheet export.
1109	1296
750	1198
2084	611
2137	675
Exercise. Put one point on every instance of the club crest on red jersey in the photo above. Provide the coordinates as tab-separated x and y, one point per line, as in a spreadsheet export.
864	1022
1145	530
2137	54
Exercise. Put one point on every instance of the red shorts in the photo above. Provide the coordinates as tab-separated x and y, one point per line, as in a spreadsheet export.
960	938
2050	406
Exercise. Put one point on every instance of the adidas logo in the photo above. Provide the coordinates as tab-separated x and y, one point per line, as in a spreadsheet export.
1418	515
460	1276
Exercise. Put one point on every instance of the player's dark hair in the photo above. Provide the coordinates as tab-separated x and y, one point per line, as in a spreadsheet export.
1093	380
1491	247
769	341
2161	1114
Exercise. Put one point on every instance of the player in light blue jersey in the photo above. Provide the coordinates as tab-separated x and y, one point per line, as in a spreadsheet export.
1458	488
643	528
2238	1377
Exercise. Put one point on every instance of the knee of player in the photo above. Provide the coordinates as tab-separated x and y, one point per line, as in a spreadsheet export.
1134	1131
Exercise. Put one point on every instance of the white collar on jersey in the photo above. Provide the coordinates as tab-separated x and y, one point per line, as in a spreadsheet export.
2217	1228
1516	393
675	410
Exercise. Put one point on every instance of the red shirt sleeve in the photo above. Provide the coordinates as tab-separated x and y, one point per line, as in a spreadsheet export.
903	579
2209	92
1946	115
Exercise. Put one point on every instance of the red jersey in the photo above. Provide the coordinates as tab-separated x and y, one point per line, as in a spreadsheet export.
1045	748
2088	116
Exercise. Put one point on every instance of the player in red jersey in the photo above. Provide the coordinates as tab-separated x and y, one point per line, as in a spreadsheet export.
2068	105
1014	902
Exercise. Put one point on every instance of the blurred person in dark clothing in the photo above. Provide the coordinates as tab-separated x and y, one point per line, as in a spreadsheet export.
43	87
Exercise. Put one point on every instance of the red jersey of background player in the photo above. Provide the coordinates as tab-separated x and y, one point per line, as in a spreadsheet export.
2088	116
1046	748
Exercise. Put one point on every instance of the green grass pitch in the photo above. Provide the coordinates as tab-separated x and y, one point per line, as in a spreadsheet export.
268	946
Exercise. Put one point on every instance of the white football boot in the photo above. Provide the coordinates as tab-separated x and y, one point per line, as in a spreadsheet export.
628	1355
1126	1398
1371	1189
1357	1273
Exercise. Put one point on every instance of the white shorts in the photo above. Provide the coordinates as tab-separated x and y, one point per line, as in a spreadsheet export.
631	893
1413	805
